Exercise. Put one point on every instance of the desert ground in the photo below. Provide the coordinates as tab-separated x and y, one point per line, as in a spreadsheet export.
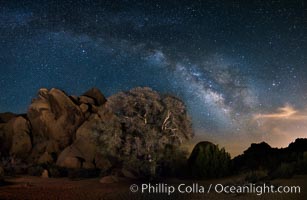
36	188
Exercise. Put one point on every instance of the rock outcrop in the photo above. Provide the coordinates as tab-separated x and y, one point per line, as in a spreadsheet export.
21	141
125	131
15	137
45	174
55	117
95	94
263	156
6	117
71	157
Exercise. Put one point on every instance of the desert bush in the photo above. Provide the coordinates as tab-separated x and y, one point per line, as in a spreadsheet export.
208	161
150	124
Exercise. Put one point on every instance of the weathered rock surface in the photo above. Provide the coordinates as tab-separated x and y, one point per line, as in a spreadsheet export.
45	159
15	137
95	94
45	174
86	100
84	108
71	157
88	165
21	141
54	116
6	117
101	133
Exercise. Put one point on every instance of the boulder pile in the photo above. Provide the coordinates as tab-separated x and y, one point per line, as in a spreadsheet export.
127	133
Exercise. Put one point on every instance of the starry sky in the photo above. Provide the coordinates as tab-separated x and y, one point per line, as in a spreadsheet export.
240	66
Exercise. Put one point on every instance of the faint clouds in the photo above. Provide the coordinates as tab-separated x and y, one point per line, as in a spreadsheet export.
282	126
286	112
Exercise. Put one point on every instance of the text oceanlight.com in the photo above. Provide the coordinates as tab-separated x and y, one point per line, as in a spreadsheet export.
196	188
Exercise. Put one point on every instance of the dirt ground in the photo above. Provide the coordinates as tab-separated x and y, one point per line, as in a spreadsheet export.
28	188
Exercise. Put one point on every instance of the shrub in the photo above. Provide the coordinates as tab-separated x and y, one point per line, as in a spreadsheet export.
150	124
208	161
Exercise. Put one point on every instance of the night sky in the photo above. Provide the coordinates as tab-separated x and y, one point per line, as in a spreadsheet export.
240	66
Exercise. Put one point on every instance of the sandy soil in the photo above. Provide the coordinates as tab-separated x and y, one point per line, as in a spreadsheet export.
28	188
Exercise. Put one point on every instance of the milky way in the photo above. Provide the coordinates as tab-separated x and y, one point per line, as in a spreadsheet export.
234	63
